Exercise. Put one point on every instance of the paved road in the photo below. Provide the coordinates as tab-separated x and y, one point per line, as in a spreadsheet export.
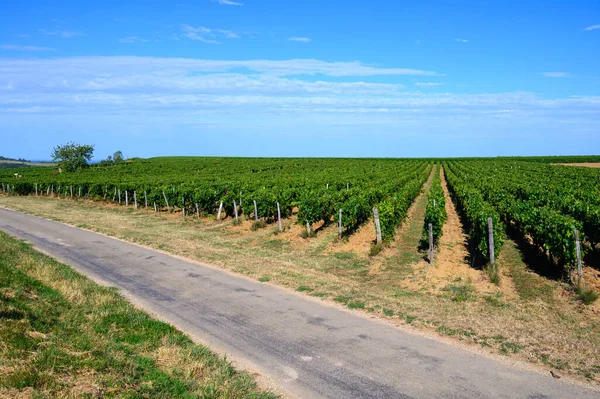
308	349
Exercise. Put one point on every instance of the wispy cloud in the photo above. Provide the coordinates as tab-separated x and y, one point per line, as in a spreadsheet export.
299	39
593	27
291	67
428	84
249	94
132	39
207	35
24	48
230	3
228	34
64	33
556	74
461	40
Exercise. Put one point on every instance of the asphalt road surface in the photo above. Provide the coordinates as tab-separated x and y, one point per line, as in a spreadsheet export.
307	349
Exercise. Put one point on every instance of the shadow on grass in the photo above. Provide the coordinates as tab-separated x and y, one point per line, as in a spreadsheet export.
534	257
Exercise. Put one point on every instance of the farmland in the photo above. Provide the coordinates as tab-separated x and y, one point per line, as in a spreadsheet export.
529	305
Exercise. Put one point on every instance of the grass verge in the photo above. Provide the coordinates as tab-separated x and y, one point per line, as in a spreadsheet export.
61	335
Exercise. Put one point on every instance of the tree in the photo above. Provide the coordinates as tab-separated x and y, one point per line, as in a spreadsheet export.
72	157
113	159
118	157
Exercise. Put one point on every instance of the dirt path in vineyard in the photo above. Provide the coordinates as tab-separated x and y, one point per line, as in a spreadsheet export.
452	258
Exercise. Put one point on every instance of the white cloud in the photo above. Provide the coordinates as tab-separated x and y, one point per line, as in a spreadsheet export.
593	27
228	34
207	35
428	84
230	3
65	34
249	96
132	39
150	66
461	40
24	48
299	39
556	74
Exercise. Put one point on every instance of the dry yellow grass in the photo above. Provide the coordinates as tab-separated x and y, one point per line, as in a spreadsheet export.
582	164
552	329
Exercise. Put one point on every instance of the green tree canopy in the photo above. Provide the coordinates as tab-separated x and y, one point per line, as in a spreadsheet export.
72	157
118	157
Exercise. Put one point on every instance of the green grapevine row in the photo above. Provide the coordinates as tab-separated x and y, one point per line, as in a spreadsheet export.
435	213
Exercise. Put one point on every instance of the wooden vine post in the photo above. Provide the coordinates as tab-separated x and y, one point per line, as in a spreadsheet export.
235	211
197	211
182	206
377	225
578	251
279	217
36	193
166	201
220	209
255	212
135	199
340	224
431	247
71	191
79	192
155	209
126	198
119	196
491	242
145	200
115	194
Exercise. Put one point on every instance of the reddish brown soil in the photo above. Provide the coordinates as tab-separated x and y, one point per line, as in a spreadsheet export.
452	257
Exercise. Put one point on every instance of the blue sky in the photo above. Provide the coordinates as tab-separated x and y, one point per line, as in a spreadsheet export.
301	78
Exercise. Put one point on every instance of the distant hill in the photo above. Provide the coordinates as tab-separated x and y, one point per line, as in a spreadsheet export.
6	163
12	159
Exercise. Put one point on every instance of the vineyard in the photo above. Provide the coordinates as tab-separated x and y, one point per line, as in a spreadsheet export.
544	203
356	231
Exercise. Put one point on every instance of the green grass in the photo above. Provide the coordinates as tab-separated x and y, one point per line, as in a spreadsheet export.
275	244
452	332
348	261
461	292
586	295
495	300
493	274
375	249
508	348
264	279
64	336
257	225
529	285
